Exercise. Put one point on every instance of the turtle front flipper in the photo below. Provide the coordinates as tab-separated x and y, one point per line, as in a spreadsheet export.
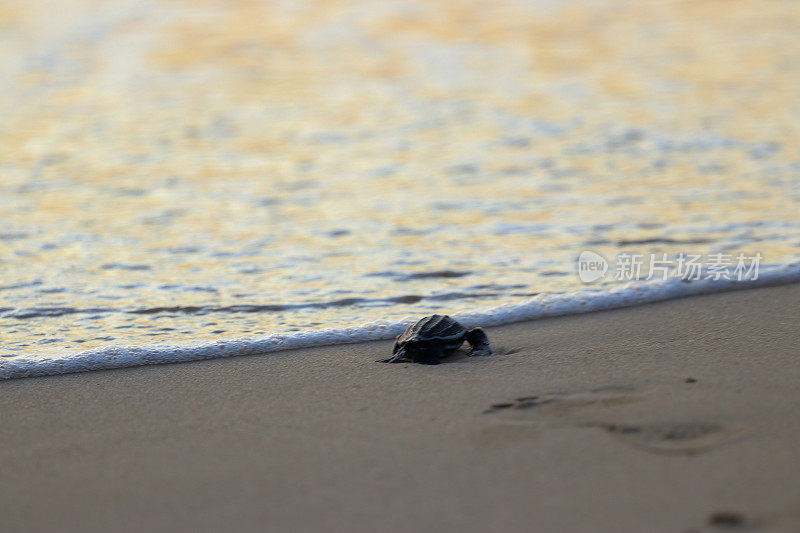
398	356
398	353
479	342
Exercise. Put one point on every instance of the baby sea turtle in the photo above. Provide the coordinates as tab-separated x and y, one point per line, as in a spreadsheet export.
431	337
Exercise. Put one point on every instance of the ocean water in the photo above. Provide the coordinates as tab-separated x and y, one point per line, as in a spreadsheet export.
181	174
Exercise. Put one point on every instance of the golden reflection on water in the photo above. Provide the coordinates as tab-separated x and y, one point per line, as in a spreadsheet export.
176	155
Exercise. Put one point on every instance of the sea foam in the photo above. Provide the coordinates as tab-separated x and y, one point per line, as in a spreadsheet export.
540	306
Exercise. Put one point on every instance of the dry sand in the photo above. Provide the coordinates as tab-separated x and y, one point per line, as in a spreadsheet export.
612	437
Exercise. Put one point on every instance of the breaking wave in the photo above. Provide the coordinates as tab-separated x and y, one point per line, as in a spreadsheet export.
540	306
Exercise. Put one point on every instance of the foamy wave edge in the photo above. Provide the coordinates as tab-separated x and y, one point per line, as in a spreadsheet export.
540	306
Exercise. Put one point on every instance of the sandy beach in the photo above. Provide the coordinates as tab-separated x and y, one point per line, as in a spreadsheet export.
196	180
675	416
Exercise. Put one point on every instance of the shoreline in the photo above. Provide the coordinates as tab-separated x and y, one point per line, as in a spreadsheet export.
542	306
582	422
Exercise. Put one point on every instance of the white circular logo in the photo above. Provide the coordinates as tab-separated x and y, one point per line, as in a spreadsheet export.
591	266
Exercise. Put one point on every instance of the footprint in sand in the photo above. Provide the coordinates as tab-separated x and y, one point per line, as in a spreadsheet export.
672	438
668	438
565	403
521	416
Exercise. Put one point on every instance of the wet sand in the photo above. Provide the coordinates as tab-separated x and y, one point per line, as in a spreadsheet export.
651	418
